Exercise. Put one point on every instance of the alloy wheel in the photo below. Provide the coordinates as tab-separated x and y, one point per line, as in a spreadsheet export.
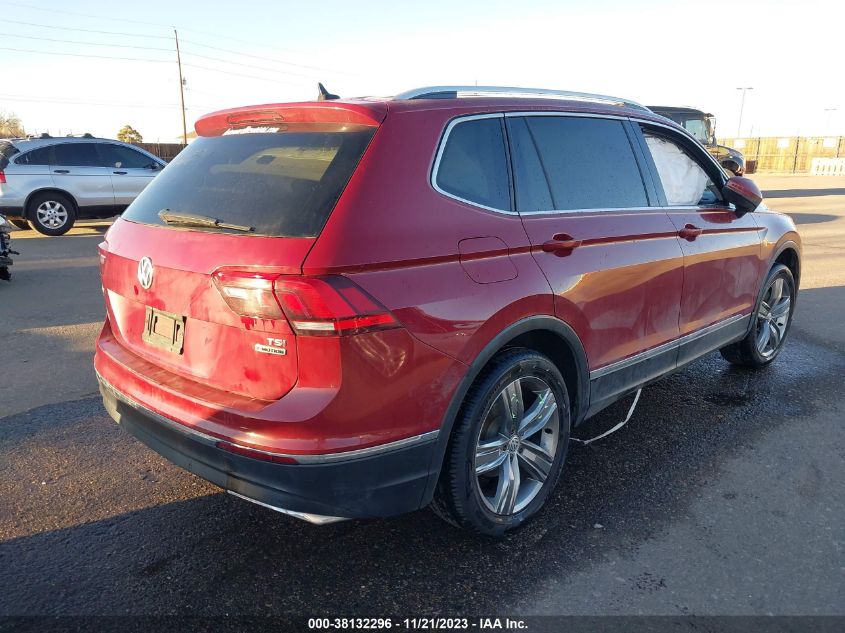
773	317
52	214
516	445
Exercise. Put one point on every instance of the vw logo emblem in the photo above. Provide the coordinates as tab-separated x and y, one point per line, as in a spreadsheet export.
145	272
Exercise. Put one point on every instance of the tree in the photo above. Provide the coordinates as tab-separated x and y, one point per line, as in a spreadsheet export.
129	134
10	125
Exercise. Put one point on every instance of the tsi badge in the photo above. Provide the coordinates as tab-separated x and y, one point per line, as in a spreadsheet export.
274	346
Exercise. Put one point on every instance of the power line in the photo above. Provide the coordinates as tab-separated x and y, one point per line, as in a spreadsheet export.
18	5
158	61
52	39
70	28
110	104
191	89
128	59
264	68
145	59
268	59
158	24
165	37
234	74
156	48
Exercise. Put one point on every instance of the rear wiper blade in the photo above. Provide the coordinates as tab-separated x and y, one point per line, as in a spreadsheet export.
193	219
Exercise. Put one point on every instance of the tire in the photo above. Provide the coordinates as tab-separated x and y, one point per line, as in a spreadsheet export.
473	491
772	320
20	223
51	213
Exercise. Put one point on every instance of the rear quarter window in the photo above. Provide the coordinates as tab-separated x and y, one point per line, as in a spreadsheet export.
7	150
281	183
40	156
473	164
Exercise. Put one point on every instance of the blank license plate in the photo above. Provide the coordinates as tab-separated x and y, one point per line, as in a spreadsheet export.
164	330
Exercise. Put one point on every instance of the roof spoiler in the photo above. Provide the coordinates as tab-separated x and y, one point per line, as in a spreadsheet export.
278	116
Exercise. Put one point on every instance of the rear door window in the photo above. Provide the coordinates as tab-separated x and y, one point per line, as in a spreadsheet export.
281	183
473	164
531	187
76	155
587	163
40	156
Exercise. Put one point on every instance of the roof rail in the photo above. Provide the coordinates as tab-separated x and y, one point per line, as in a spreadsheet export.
457	92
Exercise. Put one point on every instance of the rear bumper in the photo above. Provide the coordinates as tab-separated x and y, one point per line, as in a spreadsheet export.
381	481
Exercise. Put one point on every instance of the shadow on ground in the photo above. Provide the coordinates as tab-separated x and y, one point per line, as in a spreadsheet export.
812	218
803	193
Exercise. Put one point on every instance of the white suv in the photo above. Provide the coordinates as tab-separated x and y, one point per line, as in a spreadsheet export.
48	183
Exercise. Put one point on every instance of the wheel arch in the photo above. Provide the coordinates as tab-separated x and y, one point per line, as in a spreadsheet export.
50	190
788	255
545	334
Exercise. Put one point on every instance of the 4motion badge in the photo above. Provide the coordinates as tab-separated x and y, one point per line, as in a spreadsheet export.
275	346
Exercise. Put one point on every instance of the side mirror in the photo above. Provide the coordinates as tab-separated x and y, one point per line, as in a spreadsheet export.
743	194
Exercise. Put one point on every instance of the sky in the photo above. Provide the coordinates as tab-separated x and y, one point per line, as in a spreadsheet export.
63	78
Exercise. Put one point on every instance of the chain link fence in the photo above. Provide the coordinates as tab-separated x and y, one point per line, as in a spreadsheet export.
786	154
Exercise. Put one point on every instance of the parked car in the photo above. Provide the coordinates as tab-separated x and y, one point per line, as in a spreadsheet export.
364	307
702	126
49	183
6	251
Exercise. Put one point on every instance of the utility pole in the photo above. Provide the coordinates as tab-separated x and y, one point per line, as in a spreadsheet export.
741	108
181	89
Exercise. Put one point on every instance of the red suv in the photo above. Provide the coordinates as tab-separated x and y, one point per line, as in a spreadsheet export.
356	308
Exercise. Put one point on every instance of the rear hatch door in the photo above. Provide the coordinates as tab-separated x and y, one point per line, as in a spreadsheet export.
245	201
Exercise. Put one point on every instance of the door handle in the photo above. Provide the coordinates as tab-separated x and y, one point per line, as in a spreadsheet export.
560	243
690	232
122	173
61	171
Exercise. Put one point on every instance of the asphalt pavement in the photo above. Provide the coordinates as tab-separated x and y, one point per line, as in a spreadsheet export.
723	495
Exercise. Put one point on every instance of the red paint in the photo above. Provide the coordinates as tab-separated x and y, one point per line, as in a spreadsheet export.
746	189
722	265
448	275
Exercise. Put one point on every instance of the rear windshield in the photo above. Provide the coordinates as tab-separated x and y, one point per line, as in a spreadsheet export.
7	150
281	183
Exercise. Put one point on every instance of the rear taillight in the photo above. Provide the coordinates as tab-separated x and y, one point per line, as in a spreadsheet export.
249	293
2	177
102	251
331	305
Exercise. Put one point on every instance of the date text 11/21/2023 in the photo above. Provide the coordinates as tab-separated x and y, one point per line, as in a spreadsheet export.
417	624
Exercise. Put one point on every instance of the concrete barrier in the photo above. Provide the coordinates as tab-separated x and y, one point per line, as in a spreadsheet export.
828	167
